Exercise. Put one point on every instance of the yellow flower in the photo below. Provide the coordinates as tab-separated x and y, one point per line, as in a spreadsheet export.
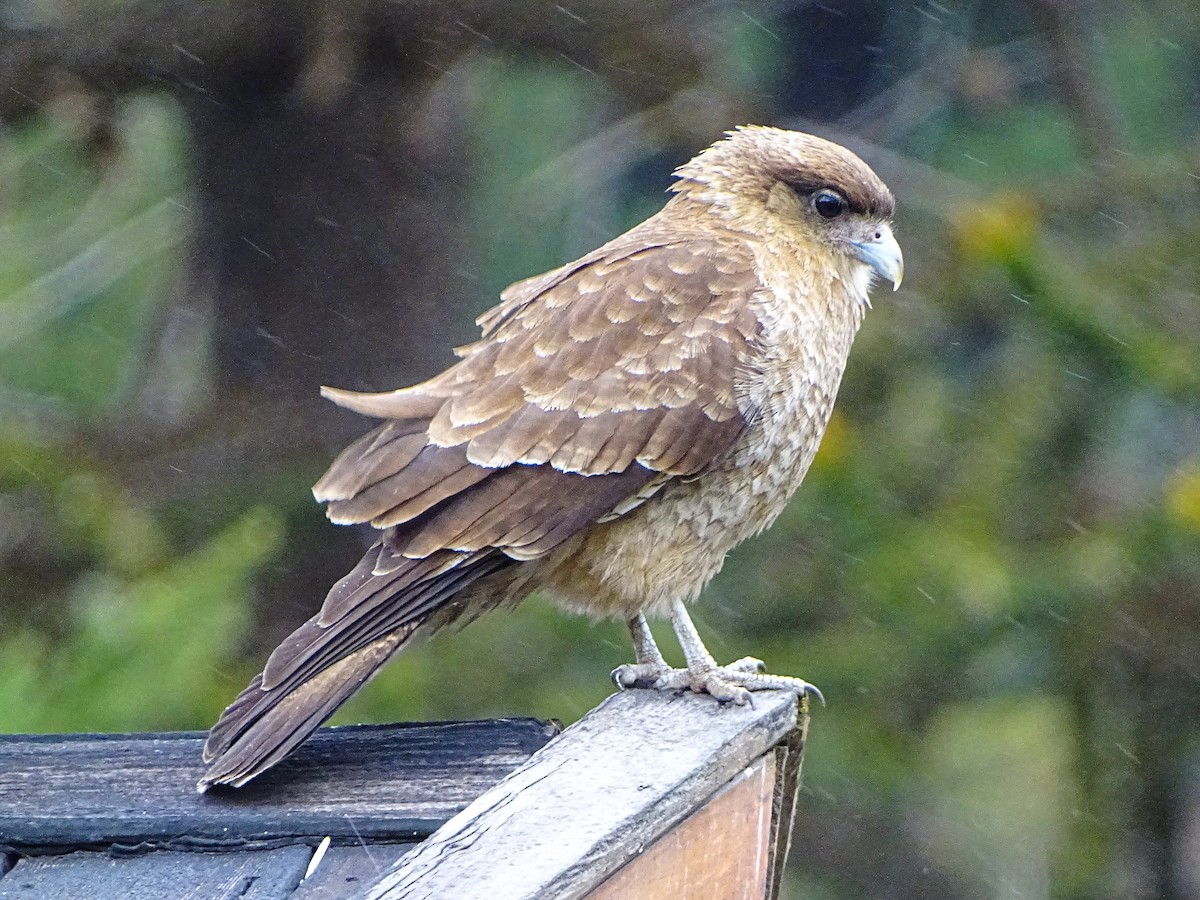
998	228
1183	496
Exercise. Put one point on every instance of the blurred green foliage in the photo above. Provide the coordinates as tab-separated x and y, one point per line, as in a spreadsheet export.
130	643
991	570
90	251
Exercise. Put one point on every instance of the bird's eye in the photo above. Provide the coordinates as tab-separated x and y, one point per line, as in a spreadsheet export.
829	204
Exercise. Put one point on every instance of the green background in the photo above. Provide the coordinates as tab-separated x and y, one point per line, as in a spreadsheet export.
991	571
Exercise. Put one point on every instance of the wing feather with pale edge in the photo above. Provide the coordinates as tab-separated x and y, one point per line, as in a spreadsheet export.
651	334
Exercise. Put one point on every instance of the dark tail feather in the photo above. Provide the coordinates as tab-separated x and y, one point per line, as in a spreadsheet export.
262	727
322	664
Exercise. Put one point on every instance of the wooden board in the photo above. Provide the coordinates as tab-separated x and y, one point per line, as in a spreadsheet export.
720	852
585	804
356	783
624	783
265	875
344	871
789	760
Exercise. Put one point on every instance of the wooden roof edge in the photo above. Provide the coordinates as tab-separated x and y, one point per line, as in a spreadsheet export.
591	800
131	793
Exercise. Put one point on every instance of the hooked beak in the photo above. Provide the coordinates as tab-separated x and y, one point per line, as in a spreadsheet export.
883	255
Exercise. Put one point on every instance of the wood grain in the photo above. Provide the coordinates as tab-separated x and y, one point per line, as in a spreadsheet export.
355	783
344	871
264	875
720	852
698	797
587	803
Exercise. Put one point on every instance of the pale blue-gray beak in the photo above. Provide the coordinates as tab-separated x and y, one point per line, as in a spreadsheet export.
882	254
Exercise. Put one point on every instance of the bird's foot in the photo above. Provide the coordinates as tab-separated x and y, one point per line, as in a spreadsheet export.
733	683
726	684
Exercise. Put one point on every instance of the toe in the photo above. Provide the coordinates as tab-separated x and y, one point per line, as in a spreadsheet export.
674	680
724	691
738	696
747	664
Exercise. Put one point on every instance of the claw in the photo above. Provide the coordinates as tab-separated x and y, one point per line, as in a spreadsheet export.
637	675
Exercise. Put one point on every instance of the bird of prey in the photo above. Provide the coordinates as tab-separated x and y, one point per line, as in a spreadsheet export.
622	423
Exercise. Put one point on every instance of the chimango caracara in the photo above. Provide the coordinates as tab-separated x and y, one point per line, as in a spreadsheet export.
621	425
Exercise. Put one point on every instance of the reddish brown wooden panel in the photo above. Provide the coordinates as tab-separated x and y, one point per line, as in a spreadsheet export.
720	852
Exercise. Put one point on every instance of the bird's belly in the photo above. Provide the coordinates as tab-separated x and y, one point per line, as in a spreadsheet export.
672	545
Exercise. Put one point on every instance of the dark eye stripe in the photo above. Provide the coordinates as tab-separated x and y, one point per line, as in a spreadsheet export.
860	198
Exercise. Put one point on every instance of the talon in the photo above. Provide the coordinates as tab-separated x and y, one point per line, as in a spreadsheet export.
727	684
638	675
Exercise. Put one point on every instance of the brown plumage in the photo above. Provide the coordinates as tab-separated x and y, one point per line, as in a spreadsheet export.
621	424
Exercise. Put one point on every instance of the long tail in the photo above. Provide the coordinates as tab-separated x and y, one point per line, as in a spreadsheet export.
323	662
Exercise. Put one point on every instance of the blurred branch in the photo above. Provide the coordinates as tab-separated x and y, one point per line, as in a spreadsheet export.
909	102
645	49
1063	28
113	255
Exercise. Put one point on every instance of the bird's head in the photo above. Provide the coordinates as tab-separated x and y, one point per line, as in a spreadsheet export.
773	181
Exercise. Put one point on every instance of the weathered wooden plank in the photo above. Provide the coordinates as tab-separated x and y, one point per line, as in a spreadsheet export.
372	783
261	875
720	851
344	871
789	755
584	805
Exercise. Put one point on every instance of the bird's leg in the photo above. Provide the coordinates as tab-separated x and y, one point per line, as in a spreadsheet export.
731	683
650	665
